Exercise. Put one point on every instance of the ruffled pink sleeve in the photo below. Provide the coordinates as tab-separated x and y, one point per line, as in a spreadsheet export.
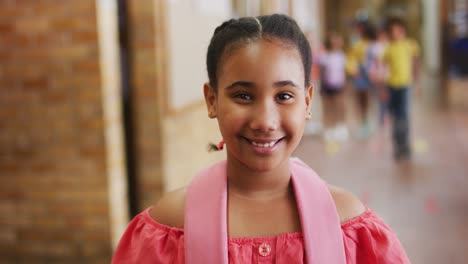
146	241
368	239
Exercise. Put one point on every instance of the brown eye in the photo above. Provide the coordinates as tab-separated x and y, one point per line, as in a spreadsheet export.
243	96
284	96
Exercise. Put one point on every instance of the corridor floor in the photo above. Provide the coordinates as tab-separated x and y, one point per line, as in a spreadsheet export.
425	200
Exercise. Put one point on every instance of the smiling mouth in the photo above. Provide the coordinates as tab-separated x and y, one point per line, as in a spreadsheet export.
264	143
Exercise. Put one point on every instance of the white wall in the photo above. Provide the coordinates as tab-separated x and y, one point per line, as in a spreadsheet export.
191	24
307	15
110	72
431	35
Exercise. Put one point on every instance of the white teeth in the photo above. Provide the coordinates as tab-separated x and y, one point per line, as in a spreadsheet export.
264	145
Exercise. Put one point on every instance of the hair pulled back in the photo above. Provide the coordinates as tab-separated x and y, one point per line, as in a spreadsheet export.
235	32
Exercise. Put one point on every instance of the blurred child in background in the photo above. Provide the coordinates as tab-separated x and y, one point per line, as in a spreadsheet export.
359	76
401	58
333	77
377	71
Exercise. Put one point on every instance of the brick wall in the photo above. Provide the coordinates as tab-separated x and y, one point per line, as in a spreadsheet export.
53	185
56	127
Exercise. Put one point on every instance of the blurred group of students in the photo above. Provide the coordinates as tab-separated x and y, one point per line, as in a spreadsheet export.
380	64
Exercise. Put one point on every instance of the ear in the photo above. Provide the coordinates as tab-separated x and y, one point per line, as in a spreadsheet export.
210	100
309	94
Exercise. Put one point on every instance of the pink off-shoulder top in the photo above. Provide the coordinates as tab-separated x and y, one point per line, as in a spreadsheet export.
367	239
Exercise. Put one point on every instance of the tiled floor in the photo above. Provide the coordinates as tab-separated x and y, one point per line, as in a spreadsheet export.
425	200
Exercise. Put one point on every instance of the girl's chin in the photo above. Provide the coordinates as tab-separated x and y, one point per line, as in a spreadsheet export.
262	165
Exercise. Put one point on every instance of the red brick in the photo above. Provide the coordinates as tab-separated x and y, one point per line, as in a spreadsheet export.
86	66
74	52
35	83
26	25
5	28
65	24
85	37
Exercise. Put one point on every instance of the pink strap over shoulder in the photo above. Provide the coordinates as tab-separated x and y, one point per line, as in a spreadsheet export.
321	228
206	206
205	226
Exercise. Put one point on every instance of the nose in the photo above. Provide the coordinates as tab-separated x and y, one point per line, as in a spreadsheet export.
265	116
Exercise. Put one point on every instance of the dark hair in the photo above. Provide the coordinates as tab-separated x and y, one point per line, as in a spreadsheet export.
361	25
328	42
235	32
395	21
370	32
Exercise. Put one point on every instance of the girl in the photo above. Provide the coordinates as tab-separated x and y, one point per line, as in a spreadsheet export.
333	76
259	205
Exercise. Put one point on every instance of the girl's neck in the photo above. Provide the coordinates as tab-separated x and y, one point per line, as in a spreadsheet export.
245	183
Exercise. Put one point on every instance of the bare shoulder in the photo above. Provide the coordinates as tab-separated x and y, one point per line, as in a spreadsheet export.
347	204
169	210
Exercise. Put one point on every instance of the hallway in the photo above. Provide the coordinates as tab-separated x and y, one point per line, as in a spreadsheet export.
425	200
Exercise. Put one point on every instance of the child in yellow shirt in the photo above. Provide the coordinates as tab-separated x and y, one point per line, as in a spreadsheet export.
400	57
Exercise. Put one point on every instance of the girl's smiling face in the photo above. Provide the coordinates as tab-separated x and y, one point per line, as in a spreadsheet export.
261	103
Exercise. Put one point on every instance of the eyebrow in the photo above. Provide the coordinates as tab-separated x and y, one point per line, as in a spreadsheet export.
240	83
247	84
285	83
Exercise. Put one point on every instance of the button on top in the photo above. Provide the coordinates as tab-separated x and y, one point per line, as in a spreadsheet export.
264	249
